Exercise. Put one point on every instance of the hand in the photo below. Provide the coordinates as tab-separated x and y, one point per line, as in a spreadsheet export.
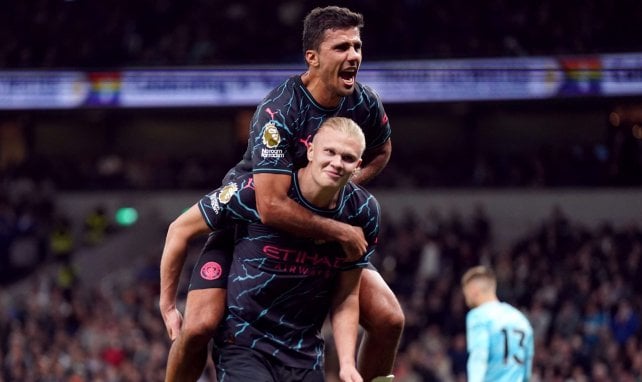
173	321
349	374
354	243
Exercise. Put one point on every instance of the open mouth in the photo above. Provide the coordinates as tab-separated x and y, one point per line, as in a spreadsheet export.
348	76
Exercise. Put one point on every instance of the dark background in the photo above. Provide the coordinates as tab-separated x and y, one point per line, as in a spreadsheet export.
63	175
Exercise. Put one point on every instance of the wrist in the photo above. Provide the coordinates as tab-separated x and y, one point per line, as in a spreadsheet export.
346	363
339	231
165	305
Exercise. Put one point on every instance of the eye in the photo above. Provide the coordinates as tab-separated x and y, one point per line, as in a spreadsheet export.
342	47
348	158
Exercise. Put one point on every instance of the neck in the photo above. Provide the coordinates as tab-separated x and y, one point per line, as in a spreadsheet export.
317	89
484	299
318	196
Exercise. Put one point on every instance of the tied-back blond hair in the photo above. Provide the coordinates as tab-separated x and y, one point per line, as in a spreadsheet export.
346	126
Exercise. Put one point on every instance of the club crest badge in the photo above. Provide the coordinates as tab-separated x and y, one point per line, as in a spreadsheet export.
211	271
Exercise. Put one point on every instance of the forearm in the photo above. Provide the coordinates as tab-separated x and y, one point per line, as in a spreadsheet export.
344	317
172	262
187	226
345	325
373	163
277	210
287	215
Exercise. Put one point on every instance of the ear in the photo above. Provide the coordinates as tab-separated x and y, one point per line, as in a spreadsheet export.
357	170
310	151
312	58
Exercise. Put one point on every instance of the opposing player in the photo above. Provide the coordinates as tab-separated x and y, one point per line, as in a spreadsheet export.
499	337
280	132
281	286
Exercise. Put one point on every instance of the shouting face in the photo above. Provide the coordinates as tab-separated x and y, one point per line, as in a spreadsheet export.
335	64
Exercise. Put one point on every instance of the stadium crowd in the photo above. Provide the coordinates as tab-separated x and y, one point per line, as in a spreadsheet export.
578	285
31	225
84	34
615	162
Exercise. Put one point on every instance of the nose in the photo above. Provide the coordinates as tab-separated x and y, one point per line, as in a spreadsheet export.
336	162
354	55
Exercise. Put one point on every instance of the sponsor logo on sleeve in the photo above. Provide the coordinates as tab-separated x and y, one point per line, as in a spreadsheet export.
214	202
211	270
384	119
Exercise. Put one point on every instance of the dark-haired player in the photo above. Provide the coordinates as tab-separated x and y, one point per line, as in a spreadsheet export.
281	128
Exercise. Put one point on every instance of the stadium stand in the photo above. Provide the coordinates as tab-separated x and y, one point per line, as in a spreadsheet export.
578	283
79	34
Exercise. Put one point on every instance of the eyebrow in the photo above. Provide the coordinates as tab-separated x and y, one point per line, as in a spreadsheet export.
346	44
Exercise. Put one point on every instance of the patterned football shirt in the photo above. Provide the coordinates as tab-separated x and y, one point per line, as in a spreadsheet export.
280	286
288	117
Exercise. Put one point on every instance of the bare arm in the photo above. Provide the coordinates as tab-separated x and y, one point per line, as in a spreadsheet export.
278	210
344	316
187	226
374	161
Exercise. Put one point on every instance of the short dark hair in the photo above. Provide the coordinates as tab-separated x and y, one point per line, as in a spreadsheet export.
321	19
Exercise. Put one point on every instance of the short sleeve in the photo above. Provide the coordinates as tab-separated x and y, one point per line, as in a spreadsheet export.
233	202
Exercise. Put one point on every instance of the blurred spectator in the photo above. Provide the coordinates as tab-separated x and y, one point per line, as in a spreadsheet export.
625	322
609	161
97	225
7	235
63	34
569	307
26	211
96	335
113	331
61	240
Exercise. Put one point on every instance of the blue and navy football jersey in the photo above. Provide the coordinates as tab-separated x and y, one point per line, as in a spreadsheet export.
280	286
288	117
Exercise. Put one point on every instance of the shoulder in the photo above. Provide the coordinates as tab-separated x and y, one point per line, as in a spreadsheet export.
367	91
361	207
240	189
359	195
480	313
291	82
472	315
518	315
288	86
478	321
294	85
368	106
